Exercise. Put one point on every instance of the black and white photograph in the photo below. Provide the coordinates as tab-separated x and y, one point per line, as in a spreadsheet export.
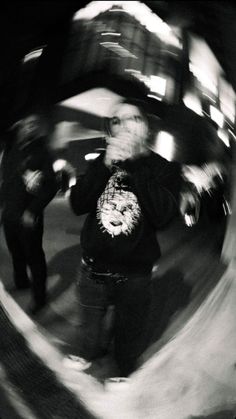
118	209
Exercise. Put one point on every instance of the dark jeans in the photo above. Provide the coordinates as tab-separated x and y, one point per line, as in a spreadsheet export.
25	247
131	300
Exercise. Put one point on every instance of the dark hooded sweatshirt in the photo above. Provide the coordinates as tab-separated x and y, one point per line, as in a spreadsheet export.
126	206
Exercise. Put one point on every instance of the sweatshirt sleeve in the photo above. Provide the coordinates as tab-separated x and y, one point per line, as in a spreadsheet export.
158	184
48	187
89	186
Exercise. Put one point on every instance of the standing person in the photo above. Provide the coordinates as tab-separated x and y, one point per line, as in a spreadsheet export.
128	193
28	185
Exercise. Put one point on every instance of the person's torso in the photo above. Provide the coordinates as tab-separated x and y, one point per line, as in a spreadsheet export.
21	167
117	234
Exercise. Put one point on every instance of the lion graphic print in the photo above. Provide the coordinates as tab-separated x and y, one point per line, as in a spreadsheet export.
118	210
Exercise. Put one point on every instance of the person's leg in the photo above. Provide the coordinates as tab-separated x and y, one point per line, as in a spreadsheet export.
92	308
133	299
13	241
32	239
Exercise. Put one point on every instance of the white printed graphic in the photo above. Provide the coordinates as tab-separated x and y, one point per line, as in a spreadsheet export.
118	210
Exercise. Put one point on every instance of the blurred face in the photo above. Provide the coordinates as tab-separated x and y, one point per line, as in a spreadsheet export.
29	128
128	118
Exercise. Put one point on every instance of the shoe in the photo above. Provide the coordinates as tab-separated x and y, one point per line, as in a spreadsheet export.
35	308
76	363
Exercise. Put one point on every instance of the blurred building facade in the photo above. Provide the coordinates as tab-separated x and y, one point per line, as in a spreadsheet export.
127	41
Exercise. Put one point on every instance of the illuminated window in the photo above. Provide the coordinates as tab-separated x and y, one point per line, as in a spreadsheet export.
217	116
165	145
91	156
224	136
32	55
59	165
227	100
158	85
193	102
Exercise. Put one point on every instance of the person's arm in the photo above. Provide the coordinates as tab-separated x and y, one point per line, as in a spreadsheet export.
46	185
89	186
164	193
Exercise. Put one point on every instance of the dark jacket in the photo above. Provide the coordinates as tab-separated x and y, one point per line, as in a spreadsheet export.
16	195
126	207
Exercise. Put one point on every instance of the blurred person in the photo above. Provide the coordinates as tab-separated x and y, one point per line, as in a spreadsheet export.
28	185
128	192
65	175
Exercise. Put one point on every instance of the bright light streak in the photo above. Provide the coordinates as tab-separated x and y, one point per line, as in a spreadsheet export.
111	33
203	64
33	54
117	10
132	70
227	208
155	97
157	85
91	156
189	220
223	135
108	43
217	116
193	102
227	100
205	79
233	135
59	165
165	145
72	181
209	97
202	177
118	49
